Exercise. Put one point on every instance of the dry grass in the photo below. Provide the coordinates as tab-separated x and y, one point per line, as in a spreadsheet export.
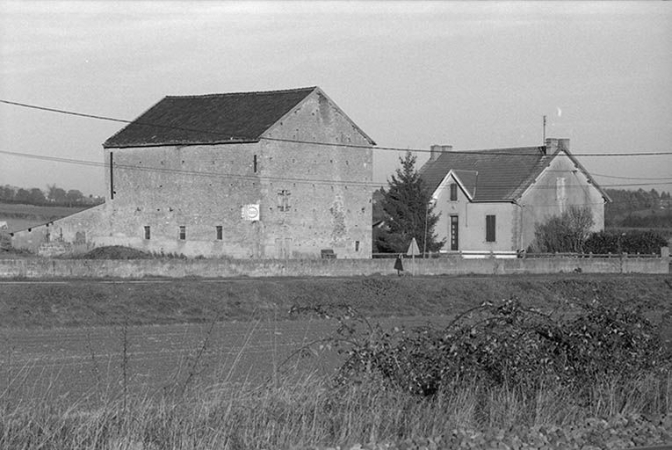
298	409
304	411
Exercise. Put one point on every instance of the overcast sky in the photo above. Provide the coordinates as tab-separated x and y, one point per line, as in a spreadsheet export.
474	75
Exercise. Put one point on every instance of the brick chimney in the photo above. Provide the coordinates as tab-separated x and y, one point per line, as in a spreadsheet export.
553	145
436	150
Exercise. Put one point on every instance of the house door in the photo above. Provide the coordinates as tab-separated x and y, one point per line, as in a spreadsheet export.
454	246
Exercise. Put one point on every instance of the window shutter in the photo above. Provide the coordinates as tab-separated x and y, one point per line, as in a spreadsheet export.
490	226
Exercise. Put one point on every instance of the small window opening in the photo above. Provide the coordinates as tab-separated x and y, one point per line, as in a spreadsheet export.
255	163
453	192
147	232
356	246
219	232
490	228
183	232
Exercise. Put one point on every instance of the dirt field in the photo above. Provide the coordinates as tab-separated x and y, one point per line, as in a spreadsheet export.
70	338
21	217
68	303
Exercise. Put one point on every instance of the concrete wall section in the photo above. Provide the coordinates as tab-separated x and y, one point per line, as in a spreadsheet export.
505	231
77	232
55	268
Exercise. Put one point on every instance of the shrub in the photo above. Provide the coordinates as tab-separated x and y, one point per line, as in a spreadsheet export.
632	242
503	344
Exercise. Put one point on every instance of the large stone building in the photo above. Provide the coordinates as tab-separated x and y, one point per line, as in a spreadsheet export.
278	174
491	200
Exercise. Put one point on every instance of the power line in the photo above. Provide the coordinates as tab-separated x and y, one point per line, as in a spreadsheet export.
297	141
223	175
220	175
629	178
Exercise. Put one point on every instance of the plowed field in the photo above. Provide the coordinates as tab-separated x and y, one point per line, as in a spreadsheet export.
97	336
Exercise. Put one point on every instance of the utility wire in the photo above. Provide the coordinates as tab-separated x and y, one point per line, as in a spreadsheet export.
297	141
199	173
629	178
253	178
225	177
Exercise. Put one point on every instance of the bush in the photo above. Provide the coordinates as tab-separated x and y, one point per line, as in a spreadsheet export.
503	344
632	242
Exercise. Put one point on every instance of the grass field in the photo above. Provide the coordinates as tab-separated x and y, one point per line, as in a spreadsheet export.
20	217
70	303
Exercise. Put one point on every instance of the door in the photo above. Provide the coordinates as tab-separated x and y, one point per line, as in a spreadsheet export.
454	246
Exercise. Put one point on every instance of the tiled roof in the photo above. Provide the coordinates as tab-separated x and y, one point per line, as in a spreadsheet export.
468	178
208	119
489	175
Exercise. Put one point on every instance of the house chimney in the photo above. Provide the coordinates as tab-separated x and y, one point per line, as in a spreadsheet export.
436	150
553	145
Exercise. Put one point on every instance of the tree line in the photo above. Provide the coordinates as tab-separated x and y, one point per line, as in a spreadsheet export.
53	196
638	209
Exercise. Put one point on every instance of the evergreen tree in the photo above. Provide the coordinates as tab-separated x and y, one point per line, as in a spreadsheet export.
409	212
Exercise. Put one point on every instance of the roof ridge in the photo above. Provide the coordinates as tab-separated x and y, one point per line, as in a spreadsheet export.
230	94
503	149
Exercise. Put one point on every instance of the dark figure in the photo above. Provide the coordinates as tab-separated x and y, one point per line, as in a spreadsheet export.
399	265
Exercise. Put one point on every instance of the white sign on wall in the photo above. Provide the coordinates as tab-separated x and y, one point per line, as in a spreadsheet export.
250	212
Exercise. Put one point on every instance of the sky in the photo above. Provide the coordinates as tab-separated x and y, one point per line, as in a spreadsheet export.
473	74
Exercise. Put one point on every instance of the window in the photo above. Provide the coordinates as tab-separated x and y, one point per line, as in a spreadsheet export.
356	246
183	232
490	226
255	163
453	192
454	233
219	232
147	232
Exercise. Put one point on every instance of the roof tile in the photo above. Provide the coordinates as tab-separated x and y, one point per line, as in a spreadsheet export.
502	174
208	119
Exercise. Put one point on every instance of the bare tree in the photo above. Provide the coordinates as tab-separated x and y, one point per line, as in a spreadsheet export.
565	233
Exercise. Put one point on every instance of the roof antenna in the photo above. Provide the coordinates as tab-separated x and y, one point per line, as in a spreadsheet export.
544	134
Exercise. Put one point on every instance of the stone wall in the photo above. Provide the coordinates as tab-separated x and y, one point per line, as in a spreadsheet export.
56	268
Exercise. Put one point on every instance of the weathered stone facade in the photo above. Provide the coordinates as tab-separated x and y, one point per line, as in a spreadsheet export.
309	174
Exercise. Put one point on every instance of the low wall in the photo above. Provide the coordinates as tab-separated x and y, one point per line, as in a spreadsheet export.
212	268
